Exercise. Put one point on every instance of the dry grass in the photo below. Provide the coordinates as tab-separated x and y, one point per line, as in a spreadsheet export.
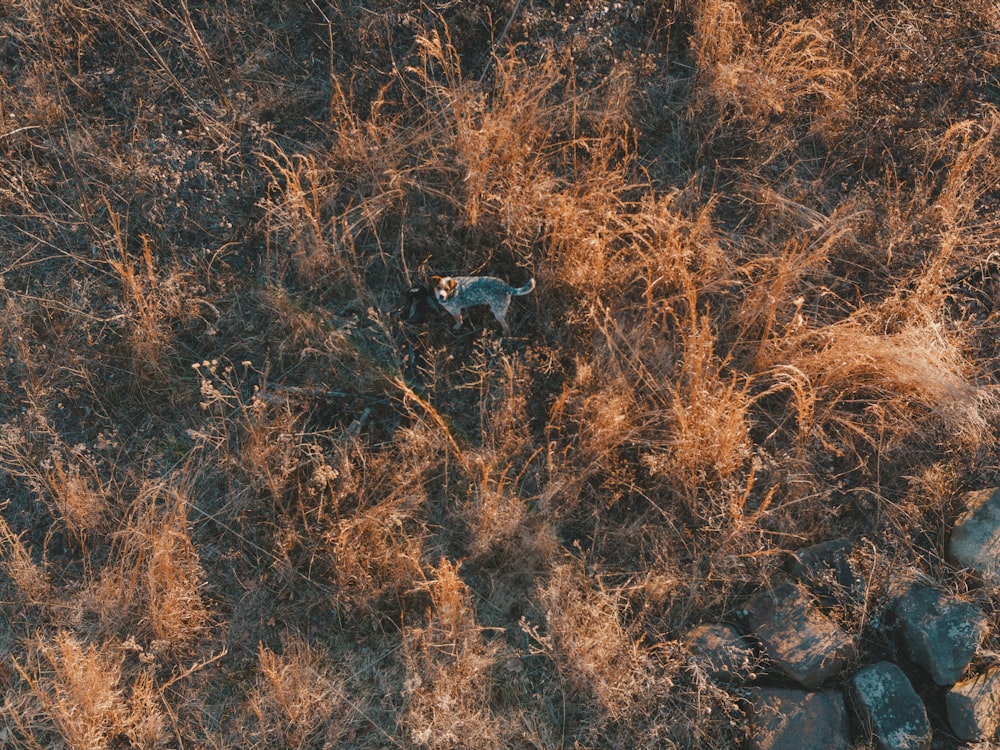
295	700
248	504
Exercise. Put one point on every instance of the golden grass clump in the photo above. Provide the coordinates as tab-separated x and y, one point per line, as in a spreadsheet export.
321	243
795	73
498	136
30	578
67	481
589	423
77	689
450	666
148	301
77	494
152	586
297	702
916	373
599	656
706	418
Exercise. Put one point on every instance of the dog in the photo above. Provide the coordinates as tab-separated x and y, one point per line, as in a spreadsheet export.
455	293
420	304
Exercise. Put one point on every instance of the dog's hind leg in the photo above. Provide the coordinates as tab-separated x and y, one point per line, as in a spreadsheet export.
499	310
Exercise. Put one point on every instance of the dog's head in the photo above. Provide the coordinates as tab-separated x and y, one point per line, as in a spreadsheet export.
444	287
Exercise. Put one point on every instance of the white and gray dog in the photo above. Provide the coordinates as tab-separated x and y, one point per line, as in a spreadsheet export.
455	293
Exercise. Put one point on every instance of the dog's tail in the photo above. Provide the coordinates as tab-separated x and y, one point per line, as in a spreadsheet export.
526	289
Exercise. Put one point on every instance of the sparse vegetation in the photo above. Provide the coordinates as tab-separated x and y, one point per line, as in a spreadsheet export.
246	503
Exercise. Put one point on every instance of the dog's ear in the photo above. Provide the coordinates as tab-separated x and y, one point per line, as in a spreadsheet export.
450	285
435	281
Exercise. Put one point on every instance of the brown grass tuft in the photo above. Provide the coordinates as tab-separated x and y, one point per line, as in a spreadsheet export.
450	670
152	587
77	688
296	702
30	578
600	657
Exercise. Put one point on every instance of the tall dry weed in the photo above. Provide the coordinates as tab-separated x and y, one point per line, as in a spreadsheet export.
599	657
77	688
590	423
499	139
152	302
297	702
377	533
492	507
795	74
68	480
152	586
304	231
30	578
450	667
77	493
918	372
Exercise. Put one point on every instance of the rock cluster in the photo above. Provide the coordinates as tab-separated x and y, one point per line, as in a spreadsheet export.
939	633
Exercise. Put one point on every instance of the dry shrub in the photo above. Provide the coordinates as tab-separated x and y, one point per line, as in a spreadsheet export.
375	553
918	370
77	688
583	229
296	701
303	230
144	722
491	507
671	248
672	396
534	154
945	201
590	422
498	137
794	74
174	576
152	585
791	269
152	302
450	665
707	418
599	657
376	541
68	480
31	579
494	512
76	491
247	429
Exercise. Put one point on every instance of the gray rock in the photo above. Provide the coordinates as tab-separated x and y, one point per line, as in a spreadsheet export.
783	719
941	633
722	652
889	708
974	706
801	641
975	539
827	571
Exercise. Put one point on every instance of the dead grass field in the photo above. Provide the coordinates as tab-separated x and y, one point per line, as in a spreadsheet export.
247	504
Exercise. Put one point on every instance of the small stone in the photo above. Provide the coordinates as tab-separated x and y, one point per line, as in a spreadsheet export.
721	651
801	641
890	708
974	706
786	719
941	633
975	538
